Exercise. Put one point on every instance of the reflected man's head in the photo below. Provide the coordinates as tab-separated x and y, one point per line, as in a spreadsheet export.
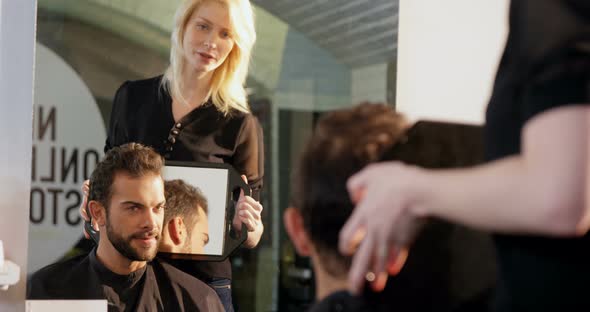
186	227
342	144
126	198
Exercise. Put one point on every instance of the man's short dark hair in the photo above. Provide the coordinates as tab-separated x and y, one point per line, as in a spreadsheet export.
133	159
343	142
182	200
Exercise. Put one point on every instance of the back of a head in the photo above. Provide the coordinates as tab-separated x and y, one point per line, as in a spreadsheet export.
343	142
132	159
182	200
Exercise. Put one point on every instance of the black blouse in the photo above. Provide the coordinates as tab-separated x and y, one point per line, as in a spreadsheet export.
142	113
546	64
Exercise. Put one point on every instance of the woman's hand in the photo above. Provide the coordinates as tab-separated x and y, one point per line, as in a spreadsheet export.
83	212
383	223
248	212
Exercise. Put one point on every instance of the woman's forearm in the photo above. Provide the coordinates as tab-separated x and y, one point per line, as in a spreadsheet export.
254	237
502	196
540	191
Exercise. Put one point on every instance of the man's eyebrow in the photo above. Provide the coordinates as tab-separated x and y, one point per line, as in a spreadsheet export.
130	202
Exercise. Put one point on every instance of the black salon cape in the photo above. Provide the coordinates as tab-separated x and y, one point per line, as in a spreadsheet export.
545	66
157	287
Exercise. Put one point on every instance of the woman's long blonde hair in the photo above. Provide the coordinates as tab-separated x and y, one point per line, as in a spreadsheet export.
227	84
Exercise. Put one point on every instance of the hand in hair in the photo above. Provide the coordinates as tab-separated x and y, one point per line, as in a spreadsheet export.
382	225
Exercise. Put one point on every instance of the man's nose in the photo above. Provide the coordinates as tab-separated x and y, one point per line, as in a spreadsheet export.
150	220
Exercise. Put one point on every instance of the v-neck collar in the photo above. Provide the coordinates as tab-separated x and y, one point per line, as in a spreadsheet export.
188	117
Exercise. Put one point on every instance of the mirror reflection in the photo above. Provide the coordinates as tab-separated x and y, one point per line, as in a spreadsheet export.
186	224
196	199
126	201
303	64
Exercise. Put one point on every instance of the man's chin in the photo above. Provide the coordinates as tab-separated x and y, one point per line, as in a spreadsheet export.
145	253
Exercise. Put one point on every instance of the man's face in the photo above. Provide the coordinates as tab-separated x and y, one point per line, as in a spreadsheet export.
135	215
200	232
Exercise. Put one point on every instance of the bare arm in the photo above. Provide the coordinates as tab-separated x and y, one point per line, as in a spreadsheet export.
541	191
249	160
248	213
254	236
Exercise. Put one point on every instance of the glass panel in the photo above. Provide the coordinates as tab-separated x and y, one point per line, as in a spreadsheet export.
310	57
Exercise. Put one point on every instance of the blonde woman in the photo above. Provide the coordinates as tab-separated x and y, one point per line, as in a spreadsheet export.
198	111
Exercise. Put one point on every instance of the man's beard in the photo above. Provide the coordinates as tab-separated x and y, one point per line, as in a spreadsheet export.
187	243
123	245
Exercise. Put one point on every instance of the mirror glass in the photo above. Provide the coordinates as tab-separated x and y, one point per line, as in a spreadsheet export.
310	57
201	199
207	228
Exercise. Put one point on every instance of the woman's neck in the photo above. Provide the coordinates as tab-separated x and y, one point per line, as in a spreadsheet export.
196	87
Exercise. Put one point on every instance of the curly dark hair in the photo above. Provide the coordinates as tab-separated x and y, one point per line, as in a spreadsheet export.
343	142
182	200
133	159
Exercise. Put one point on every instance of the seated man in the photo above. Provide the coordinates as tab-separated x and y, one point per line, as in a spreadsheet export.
127	201
343	143
186	228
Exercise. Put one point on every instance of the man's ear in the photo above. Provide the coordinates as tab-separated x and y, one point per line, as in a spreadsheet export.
98	212
177	231
294	226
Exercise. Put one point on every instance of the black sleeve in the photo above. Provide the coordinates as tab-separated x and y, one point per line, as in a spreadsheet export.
248	158
34	290
559	81
117	133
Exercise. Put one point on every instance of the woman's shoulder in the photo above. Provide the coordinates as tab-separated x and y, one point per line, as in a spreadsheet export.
152	83
246	125
240	119
239	115
139	94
